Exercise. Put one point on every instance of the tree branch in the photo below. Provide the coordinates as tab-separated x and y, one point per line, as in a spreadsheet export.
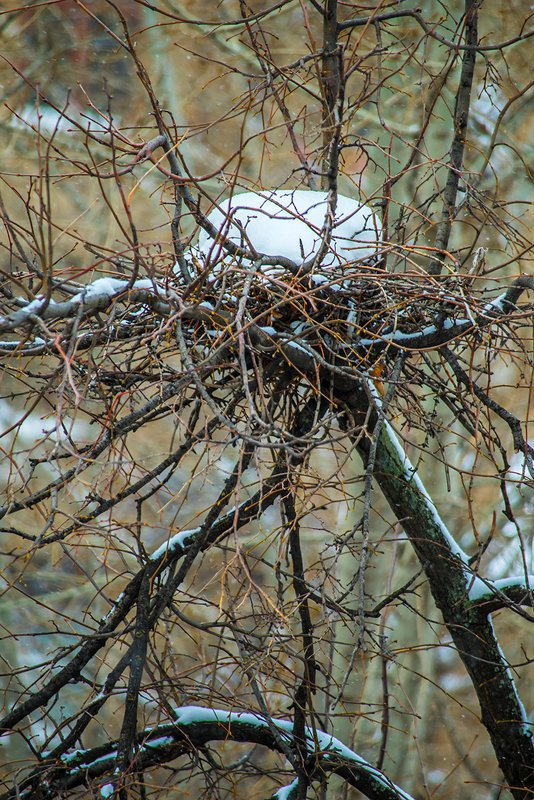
195	727
450	581
461	117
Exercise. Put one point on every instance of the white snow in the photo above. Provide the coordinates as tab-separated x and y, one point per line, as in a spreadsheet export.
497	304
410	474
289	224
300	347
189	715
36	304
178	540
161	742
88	762
284	791
484	588
299	327
319	280
398	336
109	287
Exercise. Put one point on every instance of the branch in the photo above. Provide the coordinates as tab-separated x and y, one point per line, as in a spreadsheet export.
359	22
94	297
520	444
136	659
194	727
461	116
447	329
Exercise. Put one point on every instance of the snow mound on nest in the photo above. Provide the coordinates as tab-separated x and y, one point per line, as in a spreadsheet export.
289	223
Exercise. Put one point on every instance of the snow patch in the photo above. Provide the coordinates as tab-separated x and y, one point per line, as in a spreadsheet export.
177	541
485	588
289	224
109	287
161	742
284	791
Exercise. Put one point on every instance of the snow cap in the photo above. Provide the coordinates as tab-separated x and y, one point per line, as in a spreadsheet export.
289	223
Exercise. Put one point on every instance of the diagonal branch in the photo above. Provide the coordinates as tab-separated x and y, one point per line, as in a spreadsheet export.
450	580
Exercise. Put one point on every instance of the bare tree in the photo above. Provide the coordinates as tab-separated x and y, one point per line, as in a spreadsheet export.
202	588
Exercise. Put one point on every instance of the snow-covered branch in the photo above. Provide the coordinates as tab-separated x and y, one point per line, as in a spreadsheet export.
453	585
491	595
195	727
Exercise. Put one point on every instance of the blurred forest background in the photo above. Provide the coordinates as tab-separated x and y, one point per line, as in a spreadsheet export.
75	102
